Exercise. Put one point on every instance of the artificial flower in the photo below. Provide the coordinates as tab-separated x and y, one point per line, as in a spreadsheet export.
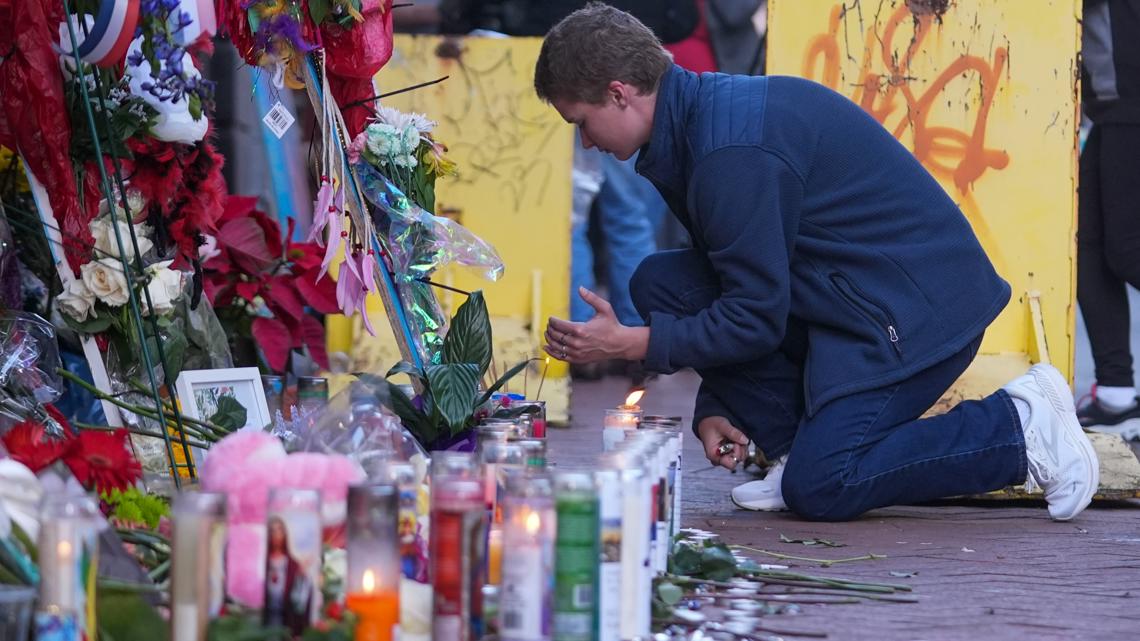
106	243
76	301
102	461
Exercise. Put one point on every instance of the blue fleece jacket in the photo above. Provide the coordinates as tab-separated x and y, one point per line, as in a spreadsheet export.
808	208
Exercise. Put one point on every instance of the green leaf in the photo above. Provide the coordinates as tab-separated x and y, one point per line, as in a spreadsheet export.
125	615
238	627
231	414
507	375
717	562
318	10
469	338
453	387
686	561
404	367
93	324
670	593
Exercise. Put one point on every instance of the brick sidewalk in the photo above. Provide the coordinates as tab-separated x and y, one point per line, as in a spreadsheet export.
981	570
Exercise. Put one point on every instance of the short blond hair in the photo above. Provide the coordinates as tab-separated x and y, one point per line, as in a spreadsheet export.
594	46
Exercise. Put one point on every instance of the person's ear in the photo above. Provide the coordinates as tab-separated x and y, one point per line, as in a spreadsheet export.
619	93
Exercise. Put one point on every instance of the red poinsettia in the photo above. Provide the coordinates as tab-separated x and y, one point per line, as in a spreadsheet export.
254	262
100	461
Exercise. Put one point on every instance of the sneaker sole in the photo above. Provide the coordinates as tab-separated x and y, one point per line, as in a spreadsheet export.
752	508
1128	430
1052	383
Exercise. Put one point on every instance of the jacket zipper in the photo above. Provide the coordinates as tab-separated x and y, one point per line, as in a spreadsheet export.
861	302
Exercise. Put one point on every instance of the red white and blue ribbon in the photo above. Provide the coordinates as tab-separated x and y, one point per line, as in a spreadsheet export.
105	44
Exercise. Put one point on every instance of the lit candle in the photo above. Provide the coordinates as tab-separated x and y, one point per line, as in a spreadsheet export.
458	538
197	589
373	581
526	595
621	420
68	558
498	457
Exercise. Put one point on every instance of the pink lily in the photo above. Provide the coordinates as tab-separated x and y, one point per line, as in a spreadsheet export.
322	209
368	276
336	238
349	289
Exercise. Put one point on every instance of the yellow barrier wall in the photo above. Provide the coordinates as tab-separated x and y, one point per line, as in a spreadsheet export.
985	93
514	155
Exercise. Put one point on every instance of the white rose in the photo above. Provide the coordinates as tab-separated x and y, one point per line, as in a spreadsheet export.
76	300
164	288
105	279
107	246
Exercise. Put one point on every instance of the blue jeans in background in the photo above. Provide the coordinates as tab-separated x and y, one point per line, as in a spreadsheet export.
626	229
857	452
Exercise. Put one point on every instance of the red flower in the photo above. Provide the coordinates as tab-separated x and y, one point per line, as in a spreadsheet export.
102	461
29	444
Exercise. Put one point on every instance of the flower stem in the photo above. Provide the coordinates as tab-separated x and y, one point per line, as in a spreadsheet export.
148	412
824	562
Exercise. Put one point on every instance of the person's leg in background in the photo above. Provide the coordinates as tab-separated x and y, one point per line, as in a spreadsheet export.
628	233
627	230
587	182
1108	260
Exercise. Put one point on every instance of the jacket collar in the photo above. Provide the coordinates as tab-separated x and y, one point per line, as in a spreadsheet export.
664	158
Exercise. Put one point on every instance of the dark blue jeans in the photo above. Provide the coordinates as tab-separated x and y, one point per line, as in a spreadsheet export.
858	452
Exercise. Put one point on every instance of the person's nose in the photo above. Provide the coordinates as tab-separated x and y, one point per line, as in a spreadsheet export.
586	142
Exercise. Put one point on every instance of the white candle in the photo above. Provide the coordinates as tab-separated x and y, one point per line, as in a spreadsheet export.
609	538
198	557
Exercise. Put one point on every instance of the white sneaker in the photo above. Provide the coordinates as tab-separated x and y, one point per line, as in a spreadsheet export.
1062	461
763	495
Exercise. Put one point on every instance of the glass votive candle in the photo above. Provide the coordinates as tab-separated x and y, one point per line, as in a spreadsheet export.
197	587
372	586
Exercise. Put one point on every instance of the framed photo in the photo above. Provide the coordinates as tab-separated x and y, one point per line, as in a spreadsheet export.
204	393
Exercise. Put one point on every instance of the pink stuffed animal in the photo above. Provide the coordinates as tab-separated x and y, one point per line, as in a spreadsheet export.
245	465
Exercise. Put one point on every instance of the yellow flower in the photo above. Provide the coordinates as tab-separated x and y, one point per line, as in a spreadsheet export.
6	156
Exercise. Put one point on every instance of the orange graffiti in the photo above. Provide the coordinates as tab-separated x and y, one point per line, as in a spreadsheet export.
958	154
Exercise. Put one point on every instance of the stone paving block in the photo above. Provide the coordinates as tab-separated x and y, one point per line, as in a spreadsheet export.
1025	578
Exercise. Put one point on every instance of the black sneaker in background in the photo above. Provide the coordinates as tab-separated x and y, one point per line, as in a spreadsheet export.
1095	417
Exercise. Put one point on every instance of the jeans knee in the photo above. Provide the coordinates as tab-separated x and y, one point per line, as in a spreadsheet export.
644	286
815	496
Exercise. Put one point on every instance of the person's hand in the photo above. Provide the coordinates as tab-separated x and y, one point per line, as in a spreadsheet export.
599	339
715	431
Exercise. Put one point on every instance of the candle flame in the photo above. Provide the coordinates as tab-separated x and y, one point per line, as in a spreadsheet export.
533	523
634	397
63	549
368	582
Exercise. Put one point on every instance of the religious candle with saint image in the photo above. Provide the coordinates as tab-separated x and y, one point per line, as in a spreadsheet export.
293	559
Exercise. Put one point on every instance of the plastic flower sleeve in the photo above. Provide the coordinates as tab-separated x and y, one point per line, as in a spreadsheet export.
421	242
357	425
29	358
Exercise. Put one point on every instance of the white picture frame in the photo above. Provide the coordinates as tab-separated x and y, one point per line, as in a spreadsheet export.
198	388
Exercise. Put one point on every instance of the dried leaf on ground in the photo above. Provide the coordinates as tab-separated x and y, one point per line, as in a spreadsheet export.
824	542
